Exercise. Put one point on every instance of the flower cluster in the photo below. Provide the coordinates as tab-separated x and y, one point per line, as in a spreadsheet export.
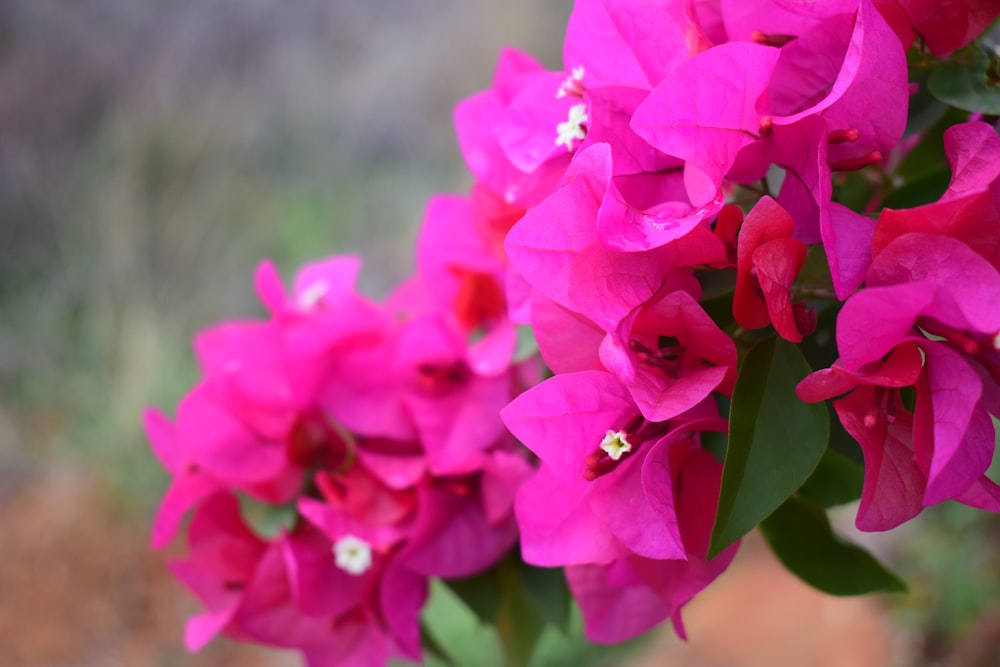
928	322
625	162
369	432
670	202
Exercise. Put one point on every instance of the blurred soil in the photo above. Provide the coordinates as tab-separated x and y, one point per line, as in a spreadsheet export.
81	587
759	615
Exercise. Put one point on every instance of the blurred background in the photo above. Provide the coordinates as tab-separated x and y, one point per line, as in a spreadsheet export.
150	155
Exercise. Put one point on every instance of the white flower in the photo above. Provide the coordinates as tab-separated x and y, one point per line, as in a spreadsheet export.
616	445
311	296
572	129
353	554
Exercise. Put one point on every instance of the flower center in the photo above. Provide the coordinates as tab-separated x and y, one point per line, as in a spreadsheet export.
311	297
480	300
443	377
353	555
770	39
882	409
572	130
317	440
665	357
573	85
616	444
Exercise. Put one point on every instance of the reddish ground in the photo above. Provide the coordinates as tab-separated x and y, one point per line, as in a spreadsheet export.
81	588
759	615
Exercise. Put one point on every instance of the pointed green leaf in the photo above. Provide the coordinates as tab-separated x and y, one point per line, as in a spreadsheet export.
972	86
775	440
519	625
433	649
457	631
480	593
547	589
519	600
799	533
924	109
836	480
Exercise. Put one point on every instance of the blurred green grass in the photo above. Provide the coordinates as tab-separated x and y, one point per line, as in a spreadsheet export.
140	187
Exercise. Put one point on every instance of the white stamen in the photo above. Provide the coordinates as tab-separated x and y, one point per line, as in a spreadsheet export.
353	554
573	85
616	445
572	129
310	297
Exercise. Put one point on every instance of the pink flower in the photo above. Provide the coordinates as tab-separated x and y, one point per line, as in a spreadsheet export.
189	486
462	268
376	427
920	283
557	248
768	261
731	111
517	137
606	499
970	208
671	356
944	26
628	596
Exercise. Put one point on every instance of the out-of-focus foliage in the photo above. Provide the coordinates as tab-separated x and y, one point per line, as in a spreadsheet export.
150	156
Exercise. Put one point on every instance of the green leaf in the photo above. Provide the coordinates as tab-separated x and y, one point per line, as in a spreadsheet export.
717	295
800	536
815	272
713	442
853	190
481	594
775	440
520	625
457	632
527	346
572	649
927	157
720	309
433	649
972	85
836	480
549	593
519	600
924	190
266	520
924	109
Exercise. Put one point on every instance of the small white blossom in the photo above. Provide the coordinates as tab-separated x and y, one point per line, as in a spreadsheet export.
353	554
572	129
311	296
616	445
573	85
